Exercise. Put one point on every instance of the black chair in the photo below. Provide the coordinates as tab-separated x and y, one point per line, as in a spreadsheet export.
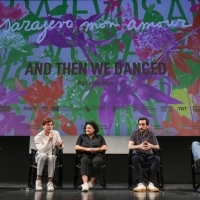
146	170
77	175
58	169
195	171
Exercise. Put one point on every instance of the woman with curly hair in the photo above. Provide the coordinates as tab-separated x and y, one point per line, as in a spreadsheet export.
90	145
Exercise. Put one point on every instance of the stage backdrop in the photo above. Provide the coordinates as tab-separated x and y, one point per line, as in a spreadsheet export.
111	61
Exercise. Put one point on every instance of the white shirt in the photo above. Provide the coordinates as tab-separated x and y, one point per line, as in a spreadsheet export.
42	143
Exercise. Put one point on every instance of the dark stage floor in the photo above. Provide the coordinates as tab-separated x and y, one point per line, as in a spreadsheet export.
113	192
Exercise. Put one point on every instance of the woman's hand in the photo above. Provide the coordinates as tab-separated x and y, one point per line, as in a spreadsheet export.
92	150
88	149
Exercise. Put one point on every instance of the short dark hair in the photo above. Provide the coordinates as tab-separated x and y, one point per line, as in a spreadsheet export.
144	118
93	124
46	121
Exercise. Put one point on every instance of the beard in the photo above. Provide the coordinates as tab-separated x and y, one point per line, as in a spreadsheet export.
142	130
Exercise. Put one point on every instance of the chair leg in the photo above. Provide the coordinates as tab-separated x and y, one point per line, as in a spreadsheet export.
104	178
76	177
56	183
193	177
130	178
161	179
195	186
32	177
102	183
60	175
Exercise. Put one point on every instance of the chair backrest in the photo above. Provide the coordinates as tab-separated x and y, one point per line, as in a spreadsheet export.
59	154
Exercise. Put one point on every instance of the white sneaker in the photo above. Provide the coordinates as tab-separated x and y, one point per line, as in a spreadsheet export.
90	185
140	188
85	187
152	188
38	185
50	186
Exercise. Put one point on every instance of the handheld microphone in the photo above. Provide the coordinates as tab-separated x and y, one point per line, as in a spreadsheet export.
53	147
51	132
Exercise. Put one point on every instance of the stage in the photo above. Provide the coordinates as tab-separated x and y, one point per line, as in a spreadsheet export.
114	191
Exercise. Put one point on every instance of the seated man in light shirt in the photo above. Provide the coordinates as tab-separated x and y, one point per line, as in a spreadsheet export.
45	142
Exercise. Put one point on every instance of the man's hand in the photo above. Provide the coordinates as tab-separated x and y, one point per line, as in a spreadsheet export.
51	137
145	146
60	144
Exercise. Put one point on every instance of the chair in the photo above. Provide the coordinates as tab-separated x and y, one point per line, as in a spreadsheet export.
195	171
33	169
146	170
77	176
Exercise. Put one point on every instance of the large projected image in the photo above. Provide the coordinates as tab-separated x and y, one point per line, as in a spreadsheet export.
111	61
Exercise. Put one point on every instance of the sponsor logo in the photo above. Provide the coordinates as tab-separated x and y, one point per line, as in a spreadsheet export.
182	108
148	108
166	109
5	108
196	108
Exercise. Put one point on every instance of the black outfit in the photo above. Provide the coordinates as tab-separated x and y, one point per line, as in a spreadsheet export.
140	156
88	158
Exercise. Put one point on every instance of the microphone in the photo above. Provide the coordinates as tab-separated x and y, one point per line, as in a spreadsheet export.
51	132
53	147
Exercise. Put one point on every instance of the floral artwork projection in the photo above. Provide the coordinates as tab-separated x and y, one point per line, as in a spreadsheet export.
111	61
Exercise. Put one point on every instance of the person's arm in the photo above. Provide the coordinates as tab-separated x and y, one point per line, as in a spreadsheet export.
154	143
42	148
60	143
132	146
152	146
102	148
78	146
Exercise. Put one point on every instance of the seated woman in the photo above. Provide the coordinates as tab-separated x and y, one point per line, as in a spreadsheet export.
91	145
